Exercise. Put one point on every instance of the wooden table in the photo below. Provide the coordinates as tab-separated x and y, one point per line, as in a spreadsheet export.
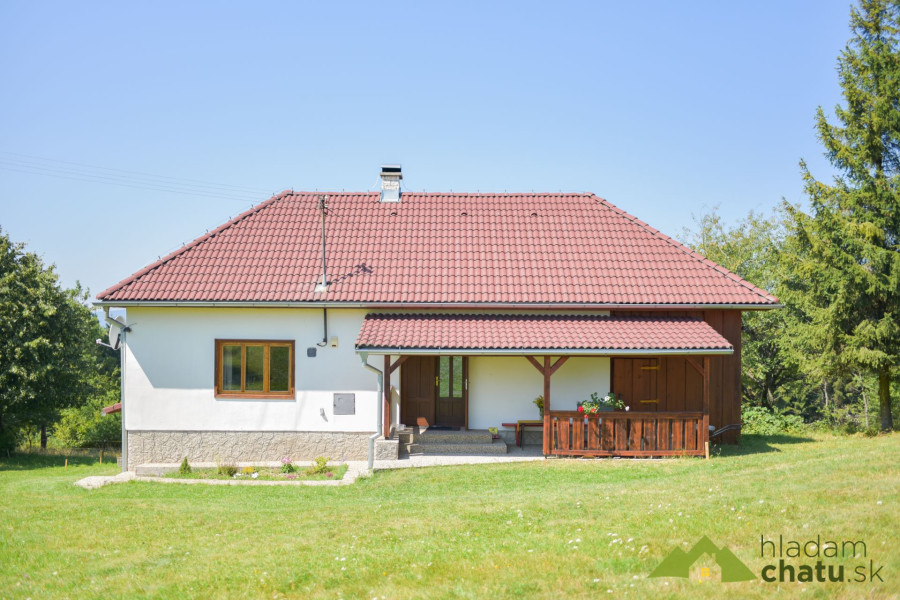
520	425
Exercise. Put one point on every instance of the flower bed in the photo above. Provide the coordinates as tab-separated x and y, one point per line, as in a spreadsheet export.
333	473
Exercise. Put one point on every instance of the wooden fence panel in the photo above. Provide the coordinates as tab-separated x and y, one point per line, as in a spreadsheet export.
578	434
593	434
626	434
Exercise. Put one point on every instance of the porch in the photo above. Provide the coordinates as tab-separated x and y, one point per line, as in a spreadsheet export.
432	372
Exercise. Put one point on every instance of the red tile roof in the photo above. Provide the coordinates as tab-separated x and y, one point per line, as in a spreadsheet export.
446	332
108	410
439	248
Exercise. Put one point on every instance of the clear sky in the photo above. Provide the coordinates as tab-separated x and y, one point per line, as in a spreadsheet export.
665	108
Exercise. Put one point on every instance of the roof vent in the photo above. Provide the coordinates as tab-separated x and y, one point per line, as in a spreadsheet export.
390	183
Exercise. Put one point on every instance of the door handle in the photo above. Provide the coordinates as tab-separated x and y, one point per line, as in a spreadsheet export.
436	382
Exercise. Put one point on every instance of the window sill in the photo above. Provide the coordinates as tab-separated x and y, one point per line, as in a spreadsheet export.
241	396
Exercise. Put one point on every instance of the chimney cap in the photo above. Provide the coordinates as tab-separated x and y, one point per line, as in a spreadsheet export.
391	170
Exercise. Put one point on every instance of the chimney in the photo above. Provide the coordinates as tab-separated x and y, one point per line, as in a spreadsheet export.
390	183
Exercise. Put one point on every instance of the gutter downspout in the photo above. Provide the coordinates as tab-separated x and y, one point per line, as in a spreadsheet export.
110	321
364	356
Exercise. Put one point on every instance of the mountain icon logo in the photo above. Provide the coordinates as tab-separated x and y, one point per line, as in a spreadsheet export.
678	563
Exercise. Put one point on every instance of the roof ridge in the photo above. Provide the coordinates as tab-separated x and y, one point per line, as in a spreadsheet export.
193	244
518	315
693	254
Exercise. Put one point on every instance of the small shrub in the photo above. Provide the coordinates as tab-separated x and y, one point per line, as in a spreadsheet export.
228	470
248	471
185	468
320	466
760	421
287	466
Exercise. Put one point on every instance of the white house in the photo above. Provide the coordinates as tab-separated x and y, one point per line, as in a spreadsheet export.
249	343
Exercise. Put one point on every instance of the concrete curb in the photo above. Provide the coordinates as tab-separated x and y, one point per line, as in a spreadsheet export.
90	483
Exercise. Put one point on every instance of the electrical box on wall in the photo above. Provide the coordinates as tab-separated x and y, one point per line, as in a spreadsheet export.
311	352
345	404
334	342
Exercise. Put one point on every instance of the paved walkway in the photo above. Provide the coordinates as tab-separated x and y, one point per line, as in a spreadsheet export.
514	454
355	469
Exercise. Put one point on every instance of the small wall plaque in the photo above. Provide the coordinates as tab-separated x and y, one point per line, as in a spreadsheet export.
345	404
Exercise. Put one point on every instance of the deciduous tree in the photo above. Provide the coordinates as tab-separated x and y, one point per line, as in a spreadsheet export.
46	358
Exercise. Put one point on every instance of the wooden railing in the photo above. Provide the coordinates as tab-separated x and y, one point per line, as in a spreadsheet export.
627	433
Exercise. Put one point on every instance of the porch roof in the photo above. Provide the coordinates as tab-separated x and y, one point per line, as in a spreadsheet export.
537	334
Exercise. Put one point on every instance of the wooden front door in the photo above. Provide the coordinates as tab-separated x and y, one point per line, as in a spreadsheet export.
450	405
646	384
637	381
433	391
417	391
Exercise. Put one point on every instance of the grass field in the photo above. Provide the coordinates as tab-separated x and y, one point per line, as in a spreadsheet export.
561	528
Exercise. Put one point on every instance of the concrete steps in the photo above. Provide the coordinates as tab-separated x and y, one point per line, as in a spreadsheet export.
430	441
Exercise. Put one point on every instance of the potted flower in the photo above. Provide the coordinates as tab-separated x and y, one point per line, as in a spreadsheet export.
597	404
539	402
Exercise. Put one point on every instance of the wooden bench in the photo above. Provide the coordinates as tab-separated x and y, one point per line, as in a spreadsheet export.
520	425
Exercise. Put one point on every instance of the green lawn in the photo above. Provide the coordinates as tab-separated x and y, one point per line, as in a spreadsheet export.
574	529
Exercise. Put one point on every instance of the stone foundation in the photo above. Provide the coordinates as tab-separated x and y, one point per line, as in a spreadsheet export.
243	446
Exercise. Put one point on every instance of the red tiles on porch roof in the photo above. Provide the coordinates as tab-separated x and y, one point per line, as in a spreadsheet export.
439	248
535	332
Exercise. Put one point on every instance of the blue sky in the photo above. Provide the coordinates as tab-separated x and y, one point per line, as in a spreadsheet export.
665	109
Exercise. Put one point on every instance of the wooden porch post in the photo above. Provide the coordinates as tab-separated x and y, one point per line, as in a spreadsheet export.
388	369
547	371
547	433
387	396
706	379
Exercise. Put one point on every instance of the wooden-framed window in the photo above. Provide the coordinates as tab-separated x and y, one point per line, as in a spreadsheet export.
254	369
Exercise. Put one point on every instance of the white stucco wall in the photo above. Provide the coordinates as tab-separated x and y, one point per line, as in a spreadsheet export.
502	389
170	370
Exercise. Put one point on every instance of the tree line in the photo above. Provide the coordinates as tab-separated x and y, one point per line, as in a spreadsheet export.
832	352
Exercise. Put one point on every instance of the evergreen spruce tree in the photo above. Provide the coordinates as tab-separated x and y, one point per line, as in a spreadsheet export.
845	255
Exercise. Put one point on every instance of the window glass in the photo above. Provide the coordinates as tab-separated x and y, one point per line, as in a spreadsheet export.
457	377
444	376
279	369
255	370
231	368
